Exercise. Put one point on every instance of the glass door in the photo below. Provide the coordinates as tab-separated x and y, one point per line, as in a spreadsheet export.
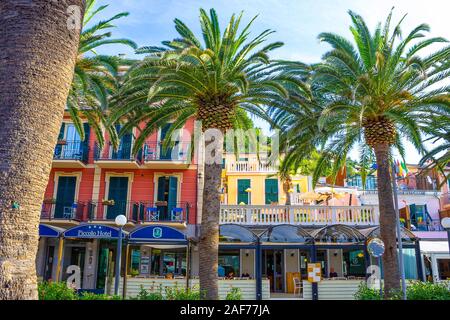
49	263
72	148
273	269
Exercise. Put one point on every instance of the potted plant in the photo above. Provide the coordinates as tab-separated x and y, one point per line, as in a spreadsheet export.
50	200
108	202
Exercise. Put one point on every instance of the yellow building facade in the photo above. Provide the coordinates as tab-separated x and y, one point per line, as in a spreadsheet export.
245	180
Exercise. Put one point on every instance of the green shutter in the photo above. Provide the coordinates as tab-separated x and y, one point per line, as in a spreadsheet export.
84	146
243	184
58	147
161	188
173	188
271	190
65	195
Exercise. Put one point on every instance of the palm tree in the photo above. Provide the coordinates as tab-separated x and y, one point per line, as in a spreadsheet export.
217	81
375	94
37	57
96	76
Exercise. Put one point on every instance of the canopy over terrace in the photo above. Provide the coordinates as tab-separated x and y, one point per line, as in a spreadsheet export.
47	231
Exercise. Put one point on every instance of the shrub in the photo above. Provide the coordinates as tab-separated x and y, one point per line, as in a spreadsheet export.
418	290
415	290
56	291
181	294
366	293
93	296
234	294
145	295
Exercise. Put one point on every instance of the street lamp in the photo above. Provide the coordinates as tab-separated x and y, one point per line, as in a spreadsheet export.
120	221
445	222
249	195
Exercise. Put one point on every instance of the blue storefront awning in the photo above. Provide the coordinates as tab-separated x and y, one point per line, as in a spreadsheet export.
157	234
47	231
93	231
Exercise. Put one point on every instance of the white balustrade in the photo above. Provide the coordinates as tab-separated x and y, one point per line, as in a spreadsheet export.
247	166
299	215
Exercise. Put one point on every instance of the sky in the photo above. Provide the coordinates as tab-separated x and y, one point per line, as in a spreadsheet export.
297	23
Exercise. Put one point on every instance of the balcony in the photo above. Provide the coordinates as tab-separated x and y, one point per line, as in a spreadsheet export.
122	158
63	212
249	167
139	212
70	154
305	215
176	157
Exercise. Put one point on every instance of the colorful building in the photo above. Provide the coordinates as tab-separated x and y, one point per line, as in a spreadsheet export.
264	244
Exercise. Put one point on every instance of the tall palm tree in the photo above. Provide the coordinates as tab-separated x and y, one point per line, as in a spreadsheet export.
375	94
96	77
217	81
38	50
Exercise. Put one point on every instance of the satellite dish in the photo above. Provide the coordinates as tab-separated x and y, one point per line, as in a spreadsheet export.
375	247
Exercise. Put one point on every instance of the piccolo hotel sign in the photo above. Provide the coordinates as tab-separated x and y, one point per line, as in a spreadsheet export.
92	232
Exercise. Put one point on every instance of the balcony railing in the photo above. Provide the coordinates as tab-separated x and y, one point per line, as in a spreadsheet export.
248	166
136	211
153	151
60	210
123	153
299	215
71	150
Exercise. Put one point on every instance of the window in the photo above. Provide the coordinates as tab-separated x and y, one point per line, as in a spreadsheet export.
229	263
443	269
135	260
171	261
271	189
243	195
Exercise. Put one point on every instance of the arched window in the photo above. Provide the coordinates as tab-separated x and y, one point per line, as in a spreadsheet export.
374	232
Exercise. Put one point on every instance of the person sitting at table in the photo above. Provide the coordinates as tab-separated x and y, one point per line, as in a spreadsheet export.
230	275
221	271
245	275
332	274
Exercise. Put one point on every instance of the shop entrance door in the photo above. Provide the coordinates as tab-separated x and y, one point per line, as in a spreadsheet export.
274	269
49	263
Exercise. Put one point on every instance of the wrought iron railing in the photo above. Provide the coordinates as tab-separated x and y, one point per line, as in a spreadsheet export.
154	151
71	150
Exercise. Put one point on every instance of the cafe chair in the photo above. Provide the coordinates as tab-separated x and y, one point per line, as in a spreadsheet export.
177	214
297	286
152	214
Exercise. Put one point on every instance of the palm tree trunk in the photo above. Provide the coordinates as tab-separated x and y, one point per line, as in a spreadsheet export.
286	187
387	221
209	237
37	57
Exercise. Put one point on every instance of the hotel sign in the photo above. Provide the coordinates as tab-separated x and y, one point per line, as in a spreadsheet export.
92	232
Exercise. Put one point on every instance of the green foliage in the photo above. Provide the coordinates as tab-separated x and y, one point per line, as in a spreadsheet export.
415	290
170	294
56	291
419	290
373	75
181	294
366	293
219	77
145	295
96	77
93	296
234	294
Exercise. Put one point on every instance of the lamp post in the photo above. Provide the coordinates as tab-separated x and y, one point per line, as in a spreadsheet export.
445	222
120	221
249	193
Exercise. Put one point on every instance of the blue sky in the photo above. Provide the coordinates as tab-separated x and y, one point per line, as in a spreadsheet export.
296	22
